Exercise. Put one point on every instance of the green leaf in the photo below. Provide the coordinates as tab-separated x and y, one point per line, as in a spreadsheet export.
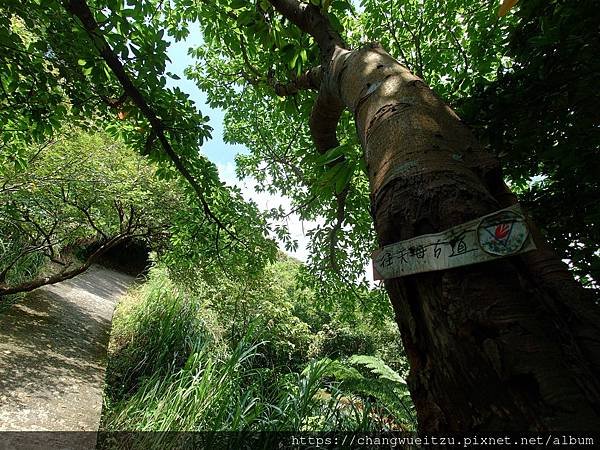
246	18
378	367
331	155
343	177
237	4
330	175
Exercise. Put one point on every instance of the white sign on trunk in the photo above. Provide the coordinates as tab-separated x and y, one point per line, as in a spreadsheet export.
502	233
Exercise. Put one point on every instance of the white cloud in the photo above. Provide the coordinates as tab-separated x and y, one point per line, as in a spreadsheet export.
266	201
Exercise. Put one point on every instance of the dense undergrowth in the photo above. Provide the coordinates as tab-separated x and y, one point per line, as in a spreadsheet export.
25	269
255	356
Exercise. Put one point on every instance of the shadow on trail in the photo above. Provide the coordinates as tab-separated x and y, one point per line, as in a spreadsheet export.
53	347
47	349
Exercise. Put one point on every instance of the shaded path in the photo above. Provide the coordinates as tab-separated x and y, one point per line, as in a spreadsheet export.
53	353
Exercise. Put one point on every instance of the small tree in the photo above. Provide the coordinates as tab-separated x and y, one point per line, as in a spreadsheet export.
76	191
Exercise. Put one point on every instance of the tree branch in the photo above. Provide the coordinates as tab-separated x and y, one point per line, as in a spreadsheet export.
273	154
80	9
87	215
311	79
328	107
310	19
324	117
63	274
339	221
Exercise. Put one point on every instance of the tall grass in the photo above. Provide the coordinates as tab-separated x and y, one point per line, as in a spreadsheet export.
207	393
154	333
171	370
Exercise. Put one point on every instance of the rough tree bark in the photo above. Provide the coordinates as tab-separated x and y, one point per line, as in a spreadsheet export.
512	344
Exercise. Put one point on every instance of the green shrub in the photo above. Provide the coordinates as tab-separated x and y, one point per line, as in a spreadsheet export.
238	359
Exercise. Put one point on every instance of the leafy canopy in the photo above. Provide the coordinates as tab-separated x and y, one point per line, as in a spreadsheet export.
55	71
78	190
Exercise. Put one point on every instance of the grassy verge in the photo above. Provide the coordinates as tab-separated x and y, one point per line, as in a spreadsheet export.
174	366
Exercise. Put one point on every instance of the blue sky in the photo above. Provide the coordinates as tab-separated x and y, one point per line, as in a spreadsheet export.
215	149
223	154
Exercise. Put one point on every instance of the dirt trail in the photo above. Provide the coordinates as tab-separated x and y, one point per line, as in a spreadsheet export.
53	353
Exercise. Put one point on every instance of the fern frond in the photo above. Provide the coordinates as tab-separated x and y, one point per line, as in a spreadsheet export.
377	367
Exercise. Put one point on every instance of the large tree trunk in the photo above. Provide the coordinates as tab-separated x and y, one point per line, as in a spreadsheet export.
511	344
